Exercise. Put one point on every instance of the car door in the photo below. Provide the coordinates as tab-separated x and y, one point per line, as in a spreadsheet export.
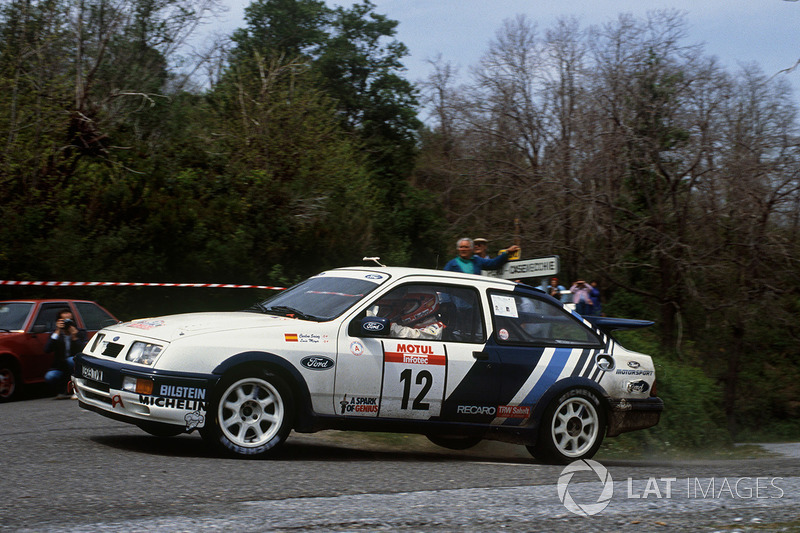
35	361
429	364
536	343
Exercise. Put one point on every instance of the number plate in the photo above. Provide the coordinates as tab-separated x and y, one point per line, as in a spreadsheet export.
95	374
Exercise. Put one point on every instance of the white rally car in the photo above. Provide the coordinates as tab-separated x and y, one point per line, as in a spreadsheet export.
456	357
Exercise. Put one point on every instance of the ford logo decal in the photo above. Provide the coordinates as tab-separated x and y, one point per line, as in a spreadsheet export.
317	362
373	326
634	364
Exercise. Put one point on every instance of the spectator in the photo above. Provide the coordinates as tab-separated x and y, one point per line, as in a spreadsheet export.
594	294
581	297
555	290
481	245
469	263
65	343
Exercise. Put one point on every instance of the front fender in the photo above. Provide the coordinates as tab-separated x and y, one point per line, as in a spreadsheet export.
562	386
280	366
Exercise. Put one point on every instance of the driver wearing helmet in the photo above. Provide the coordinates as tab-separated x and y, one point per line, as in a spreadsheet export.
415	316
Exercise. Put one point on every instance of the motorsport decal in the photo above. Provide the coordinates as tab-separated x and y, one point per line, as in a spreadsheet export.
174	391
476	410
177	397
356	348
313	338
194	420
623	372
502	411
317	362
639	387
504	306
514	411
359	405
173	403
145	324
414	376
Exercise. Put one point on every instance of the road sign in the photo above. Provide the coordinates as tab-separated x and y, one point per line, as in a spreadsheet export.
527	268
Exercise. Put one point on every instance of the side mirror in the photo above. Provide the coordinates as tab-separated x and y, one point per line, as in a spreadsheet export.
374	326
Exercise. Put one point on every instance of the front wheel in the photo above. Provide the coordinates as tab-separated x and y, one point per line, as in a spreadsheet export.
9	380
572	428
251	415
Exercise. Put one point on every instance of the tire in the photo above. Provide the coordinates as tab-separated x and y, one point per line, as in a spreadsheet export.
250	415
454	442
10	383
572	428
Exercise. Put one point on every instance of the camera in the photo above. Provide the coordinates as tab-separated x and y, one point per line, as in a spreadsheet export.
68	322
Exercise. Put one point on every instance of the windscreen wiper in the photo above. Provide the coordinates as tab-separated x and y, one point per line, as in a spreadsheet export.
291	312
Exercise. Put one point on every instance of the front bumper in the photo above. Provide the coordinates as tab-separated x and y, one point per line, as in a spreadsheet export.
632	414
177	399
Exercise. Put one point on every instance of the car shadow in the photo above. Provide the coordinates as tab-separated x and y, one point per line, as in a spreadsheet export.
294	450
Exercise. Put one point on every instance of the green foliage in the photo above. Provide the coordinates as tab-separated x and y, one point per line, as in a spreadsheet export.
693	416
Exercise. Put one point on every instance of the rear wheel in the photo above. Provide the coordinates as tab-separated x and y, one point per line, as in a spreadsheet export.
10	384
572	428
250	415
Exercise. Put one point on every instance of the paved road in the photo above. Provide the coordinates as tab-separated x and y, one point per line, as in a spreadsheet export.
65	469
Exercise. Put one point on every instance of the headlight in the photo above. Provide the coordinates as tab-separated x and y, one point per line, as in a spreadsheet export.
143	353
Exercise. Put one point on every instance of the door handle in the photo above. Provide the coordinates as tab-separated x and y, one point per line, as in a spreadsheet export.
481	356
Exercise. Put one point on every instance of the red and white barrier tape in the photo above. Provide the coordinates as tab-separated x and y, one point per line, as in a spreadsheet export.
132	284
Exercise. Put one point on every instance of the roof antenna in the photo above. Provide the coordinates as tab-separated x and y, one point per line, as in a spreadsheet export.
376	259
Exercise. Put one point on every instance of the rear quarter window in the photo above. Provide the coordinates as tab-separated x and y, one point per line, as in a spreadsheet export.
524	319
94	318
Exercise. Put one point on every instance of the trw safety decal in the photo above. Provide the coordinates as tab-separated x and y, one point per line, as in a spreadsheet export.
414	379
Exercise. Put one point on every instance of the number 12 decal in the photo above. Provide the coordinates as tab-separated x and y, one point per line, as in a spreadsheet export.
414	375
424	376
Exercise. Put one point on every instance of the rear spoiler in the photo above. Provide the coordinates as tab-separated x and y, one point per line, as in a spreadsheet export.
609	324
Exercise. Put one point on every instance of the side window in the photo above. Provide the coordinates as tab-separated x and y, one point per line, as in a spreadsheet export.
432	312
524	319
48	314
94	318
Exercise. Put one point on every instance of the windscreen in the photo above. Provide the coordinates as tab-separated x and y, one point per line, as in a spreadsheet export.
319	298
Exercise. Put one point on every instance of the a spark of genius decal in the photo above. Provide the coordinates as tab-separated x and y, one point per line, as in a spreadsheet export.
414	375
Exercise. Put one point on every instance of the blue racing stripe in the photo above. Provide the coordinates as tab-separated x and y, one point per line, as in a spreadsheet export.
549	376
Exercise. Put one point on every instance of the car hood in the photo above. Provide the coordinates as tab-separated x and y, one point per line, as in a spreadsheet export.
169	328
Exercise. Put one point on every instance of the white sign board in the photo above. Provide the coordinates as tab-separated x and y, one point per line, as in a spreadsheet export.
527	268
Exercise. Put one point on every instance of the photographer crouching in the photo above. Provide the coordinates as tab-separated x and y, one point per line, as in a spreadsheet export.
65	342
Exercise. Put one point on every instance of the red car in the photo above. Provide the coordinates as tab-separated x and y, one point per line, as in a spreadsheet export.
24	328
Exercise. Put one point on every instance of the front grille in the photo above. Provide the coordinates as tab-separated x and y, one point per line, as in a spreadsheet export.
94	390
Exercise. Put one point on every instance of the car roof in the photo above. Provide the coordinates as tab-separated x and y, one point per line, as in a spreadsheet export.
403	272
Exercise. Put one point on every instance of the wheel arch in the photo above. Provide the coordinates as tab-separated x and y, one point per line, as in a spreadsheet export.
282	368
560	387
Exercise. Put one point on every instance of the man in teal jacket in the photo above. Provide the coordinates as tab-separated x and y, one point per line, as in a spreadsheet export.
469	263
